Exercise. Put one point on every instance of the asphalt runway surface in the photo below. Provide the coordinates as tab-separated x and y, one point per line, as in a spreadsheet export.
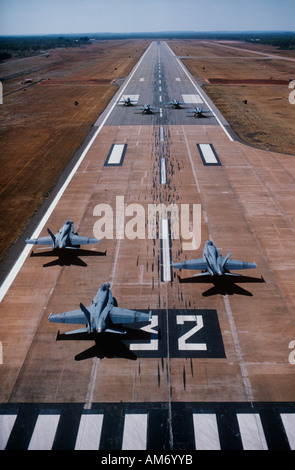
215	368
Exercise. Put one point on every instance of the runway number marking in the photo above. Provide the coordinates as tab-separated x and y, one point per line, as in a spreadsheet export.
191	333
154	343
182	345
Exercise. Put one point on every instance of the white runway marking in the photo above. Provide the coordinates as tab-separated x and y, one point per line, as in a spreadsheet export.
206	432
195	99
208	153
163	171
166	262
6	425
252	434
88	437
177	79
289	425
44	432
135	432
116	155
141	79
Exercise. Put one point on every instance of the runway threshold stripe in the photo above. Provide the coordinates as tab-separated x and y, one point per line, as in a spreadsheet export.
251	430
44	432
135	432
289	425
88	437
6	425
209	430
24	254
206	432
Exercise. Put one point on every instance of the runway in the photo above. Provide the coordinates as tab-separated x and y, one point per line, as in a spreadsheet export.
214	350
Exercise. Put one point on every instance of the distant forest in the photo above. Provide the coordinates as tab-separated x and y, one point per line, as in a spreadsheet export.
22	46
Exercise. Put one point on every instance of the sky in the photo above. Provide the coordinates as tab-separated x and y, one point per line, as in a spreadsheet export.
20	17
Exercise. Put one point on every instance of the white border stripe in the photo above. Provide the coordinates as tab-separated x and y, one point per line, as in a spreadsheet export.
20	261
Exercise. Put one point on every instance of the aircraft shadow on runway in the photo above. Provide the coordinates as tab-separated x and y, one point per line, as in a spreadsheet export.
67	257
109	345
224	285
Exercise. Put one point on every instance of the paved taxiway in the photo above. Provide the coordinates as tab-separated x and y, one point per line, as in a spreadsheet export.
221	351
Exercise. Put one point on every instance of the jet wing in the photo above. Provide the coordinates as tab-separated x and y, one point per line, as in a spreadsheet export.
198	263
73	316
124	316
40	241
79	240
235	264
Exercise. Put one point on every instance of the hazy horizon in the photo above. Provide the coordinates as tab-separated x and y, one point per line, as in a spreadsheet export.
43	17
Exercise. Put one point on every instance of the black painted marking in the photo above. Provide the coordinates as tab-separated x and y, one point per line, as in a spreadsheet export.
162	423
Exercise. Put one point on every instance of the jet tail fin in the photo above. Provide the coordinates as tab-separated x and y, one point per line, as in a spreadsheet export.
225	259
52	236
86	313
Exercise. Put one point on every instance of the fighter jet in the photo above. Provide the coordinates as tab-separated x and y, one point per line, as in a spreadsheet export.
127	102
213	263
64	238
198	112
176	104
102	316
147	109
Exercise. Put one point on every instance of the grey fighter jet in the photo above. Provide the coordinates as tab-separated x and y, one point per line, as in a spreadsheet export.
127	101
176	104
213	263
102	316
198	112
64	238
147	109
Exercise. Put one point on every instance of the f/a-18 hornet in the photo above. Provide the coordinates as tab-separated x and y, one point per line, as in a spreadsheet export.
102	316
198	112
176	104
127	101
64	238
213	263
147	109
